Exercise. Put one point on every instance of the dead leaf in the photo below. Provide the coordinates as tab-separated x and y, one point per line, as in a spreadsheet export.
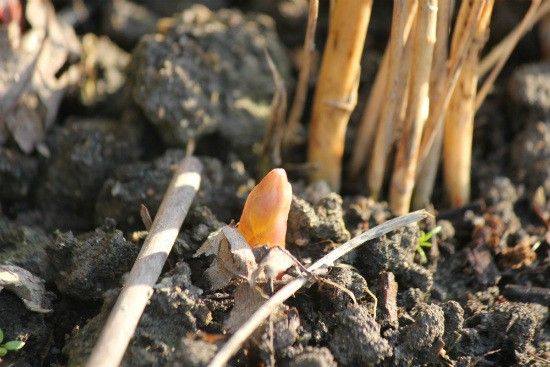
26	286
247	300
275	262
30	88
234	257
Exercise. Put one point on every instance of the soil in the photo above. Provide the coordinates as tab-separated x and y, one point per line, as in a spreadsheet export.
70	212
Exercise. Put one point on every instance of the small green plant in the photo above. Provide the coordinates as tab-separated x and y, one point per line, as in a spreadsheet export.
424	242
10	346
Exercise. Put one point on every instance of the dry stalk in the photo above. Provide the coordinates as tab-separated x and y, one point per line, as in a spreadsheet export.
235	342
536	12
403	177
467	19
336	92
404	12
125	315
426	173
459	124
297	108
367	128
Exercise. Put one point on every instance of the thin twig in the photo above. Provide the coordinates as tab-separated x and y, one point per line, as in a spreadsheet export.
536	12
270	155
297	108
125	315
258	317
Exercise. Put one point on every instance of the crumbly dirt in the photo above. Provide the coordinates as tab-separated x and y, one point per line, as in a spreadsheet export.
70	212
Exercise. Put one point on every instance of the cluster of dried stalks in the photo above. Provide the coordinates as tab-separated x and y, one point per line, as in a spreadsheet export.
422	103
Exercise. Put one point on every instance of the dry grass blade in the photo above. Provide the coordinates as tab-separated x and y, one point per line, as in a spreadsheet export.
336	92
426	173
459	124
244	332
298	103
417	109
367	128
131	302
505	47
404	12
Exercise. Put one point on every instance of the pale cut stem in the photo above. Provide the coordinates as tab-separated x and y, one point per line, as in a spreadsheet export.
427	172
536	11
404	13
297	108
403	177
235	342
336	92
367	128
133	298
459	124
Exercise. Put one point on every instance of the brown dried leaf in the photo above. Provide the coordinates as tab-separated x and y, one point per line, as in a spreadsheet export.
26	286
234	257
247	300
275	262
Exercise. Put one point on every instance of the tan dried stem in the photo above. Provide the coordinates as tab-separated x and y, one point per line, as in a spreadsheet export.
367	128
403	176
459	124
298	103
426	173
404	12
336	92
536	11
467	19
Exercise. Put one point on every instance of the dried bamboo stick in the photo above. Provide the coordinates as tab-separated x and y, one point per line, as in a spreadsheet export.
404	12
336	92
365	135
403	176
459	124
298	103
257	318
125	315
536	11
427	172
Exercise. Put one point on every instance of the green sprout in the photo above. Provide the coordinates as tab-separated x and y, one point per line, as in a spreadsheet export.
424	242
10	346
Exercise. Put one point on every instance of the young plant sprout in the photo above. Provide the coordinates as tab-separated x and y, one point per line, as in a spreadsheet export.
11	346
265	213
424	242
